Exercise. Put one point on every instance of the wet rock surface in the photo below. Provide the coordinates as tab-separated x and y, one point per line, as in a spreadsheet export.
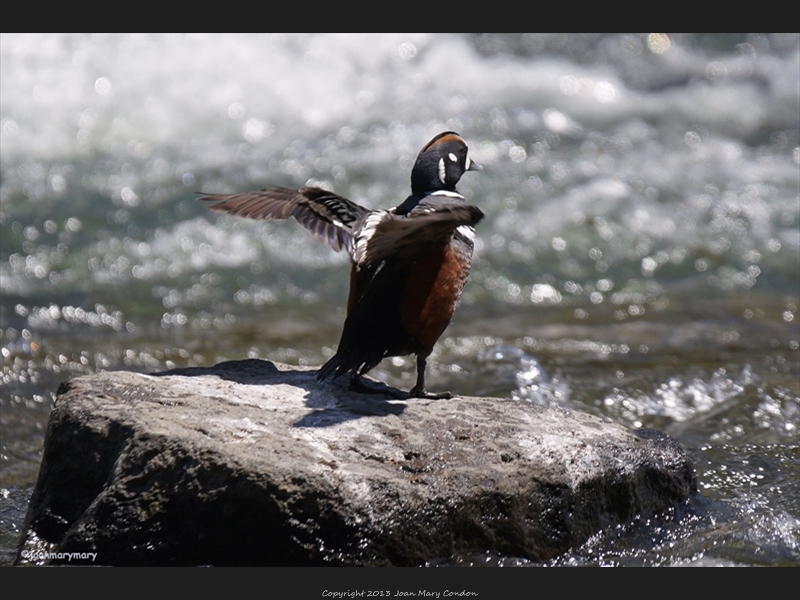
256	463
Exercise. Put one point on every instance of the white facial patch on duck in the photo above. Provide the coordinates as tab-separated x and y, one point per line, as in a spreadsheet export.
453	157
442	173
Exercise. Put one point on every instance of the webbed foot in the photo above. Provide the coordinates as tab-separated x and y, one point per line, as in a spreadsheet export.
421	393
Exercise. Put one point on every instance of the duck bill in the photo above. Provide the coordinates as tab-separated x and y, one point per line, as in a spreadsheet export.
473	166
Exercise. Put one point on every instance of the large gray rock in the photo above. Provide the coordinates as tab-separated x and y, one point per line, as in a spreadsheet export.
252	462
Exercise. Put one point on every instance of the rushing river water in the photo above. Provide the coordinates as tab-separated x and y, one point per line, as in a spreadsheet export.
640	257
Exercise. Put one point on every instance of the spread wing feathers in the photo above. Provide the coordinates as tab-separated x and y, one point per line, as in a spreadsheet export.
329	217
409	237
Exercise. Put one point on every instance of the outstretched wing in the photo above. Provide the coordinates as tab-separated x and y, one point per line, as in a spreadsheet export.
329	217
432	221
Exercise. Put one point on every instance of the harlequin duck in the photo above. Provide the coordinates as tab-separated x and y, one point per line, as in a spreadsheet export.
409	263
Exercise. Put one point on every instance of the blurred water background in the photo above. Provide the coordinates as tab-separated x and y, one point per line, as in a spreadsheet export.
640	258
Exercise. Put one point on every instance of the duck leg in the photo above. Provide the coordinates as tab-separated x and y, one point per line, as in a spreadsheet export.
418	391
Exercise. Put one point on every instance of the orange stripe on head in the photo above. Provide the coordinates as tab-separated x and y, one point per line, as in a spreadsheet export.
447	136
